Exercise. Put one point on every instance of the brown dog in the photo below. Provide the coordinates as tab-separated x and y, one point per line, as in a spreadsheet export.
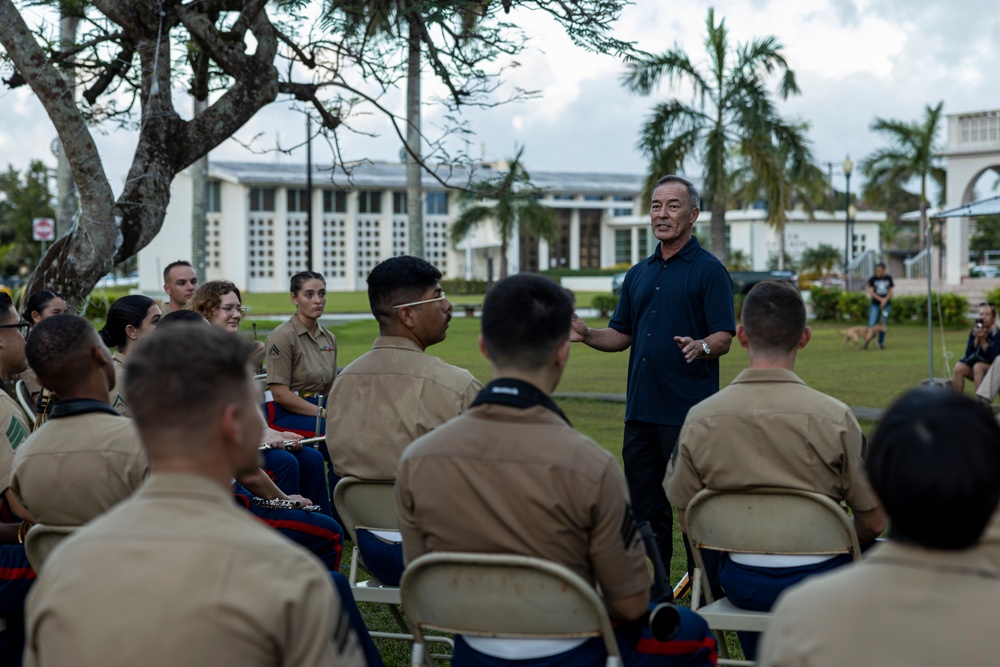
860	336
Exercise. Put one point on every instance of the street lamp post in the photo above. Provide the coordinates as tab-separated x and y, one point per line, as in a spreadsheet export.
848	168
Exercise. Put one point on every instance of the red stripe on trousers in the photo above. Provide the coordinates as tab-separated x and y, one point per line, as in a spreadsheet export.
10	573
676	646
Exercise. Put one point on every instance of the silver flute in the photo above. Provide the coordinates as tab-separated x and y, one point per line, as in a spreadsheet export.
285	444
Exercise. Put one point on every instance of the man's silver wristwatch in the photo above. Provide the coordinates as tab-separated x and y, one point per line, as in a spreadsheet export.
705	348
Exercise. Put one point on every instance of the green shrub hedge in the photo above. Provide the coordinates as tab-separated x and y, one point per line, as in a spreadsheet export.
604	304
462	286
831	303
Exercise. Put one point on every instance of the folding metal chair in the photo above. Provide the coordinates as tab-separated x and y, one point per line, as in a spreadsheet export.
41	539
372	505
24	398
500	595
760	521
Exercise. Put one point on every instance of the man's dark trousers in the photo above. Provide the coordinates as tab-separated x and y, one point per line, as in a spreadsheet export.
646	451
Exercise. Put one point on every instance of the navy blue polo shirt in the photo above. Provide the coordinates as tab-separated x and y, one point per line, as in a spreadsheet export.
690	294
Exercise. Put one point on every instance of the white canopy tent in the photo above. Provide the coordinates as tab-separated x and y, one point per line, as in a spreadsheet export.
989	206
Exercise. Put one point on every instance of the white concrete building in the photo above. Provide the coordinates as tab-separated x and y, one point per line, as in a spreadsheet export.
256	231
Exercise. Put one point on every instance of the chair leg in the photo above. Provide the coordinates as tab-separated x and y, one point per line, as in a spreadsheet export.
398	615
417	655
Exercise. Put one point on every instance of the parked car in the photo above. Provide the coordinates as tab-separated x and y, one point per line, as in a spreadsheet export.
985	271
742	280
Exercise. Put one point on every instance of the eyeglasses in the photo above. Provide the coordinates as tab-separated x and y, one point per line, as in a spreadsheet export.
417	303
22	327
242	310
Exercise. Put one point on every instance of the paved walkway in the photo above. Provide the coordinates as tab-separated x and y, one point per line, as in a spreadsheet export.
870	414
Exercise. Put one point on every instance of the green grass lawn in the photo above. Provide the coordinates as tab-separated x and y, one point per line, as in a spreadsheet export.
278	303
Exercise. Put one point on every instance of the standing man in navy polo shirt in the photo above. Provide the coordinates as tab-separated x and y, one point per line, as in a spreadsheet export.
676	314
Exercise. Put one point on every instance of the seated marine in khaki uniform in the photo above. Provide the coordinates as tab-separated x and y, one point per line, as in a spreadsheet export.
511	475
768	428
86	458
928	596
392	395
182	575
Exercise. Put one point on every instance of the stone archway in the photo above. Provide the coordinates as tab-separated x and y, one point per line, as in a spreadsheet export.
973	149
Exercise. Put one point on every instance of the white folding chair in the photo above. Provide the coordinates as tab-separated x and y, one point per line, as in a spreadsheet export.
760	521
499	595
41	539
24	398
372	505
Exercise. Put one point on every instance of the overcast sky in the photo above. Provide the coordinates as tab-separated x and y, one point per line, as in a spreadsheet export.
854	60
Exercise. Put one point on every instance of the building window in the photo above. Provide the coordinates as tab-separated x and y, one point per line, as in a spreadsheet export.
593	198
298	201
261	199
399	202
334	201
369	201
562	197
622	212
623	246
645	241
437	203
213	204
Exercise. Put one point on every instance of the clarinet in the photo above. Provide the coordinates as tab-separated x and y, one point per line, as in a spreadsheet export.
663	621
281	504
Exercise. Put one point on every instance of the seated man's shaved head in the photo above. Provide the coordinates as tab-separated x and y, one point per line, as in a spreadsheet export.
62	350
192	371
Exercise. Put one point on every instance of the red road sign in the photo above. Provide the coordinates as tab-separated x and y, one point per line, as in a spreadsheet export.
43	229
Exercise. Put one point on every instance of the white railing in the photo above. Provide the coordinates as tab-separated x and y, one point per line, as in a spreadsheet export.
916	266
860	269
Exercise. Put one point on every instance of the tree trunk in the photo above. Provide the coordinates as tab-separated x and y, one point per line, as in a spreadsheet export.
503	259
199	204
66	189
923	212
719	233
781	246
414	190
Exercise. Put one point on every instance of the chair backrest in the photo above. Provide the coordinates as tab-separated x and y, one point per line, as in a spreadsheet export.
366	503
41	539
499	595
770	521
24	398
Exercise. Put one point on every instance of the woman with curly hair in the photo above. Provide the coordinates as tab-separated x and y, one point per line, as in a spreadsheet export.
221	303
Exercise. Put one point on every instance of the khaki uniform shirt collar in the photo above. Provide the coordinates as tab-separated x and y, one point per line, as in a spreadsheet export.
396	343
185	484
767	375
300	329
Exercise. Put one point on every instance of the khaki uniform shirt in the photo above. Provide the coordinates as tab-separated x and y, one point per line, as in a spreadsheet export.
117	396
76	467
500	479
30	381
769	429
300	360
902	605
178	575
386	399
13	431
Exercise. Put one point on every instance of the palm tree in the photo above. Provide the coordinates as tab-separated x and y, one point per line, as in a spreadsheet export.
516	203
732	118
820	259
801	186
913	154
